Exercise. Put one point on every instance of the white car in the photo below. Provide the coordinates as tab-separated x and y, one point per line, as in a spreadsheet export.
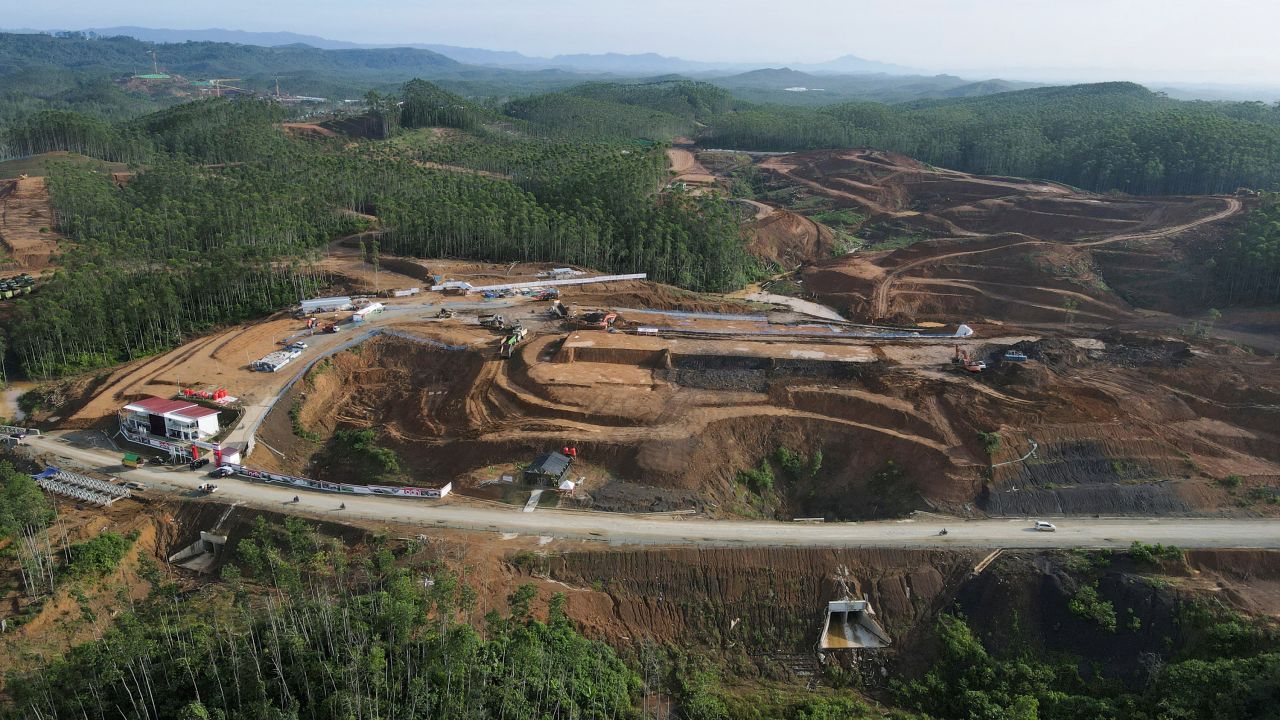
1042	526
298	345
223	471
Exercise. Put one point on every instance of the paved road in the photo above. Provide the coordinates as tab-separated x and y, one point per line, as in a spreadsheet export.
684	530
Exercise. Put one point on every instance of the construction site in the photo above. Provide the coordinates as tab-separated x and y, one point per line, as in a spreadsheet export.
535	412
987	367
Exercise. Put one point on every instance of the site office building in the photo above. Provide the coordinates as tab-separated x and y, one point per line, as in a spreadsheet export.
171	419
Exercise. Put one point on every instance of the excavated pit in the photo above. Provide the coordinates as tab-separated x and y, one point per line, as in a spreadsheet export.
1123	424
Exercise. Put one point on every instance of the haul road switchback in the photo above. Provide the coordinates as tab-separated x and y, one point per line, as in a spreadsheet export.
664	530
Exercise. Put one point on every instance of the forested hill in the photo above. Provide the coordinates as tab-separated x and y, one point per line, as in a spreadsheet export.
1110	136
119	55
227	243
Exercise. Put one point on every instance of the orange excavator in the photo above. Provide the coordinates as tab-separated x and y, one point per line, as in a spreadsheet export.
965	360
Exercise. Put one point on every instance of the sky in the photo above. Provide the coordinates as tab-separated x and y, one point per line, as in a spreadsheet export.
1218	41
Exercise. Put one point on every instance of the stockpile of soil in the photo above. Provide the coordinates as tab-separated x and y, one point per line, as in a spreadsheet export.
787	240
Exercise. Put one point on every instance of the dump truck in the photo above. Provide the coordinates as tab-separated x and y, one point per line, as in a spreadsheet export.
132	460
494	322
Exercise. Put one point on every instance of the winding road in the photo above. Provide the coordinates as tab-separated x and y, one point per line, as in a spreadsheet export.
880	296
619	529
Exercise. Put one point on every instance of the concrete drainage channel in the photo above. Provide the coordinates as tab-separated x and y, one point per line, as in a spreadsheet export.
203	553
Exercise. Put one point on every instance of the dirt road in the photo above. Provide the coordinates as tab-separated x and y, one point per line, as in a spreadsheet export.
881	294
687	169
667	530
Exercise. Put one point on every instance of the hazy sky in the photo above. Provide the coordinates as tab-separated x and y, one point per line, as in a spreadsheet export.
1229	41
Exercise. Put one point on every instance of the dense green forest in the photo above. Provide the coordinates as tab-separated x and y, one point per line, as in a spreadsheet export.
1229	670
1112	136
1248	265
225	220
314	633
229	213
1109	136
302	626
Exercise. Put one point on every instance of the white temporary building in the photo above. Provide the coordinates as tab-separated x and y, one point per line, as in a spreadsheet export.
326	304
368	310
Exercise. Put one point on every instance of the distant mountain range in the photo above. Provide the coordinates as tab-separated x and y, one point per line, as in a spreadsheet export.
792	86
614	63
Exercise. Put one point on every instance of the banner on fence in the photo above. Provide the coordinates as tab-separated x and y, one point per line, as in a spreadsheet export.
309	484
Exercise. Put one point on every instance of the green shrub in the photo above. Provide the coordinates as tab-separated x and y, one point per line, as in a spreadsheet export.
990	442
792	463
1087	604
1153	554
361	446
99	556
759	479
295	417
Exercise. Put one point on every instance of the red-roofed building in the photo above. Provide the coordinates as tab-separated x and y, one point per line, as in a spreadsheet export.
174	419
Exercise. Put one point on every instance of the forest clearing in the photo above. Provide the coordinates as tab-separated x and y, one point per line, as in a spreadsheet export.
344	393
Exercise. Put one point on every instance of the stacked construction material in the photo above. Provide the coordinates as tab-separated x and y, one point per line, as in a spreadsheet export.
79	487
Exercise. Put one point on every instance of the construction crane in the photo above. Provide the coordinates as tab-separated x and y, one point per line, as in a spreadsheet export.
218	85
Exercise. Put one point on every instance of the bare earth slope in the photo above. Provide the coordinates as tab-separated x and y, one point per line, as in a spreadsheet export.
1005	249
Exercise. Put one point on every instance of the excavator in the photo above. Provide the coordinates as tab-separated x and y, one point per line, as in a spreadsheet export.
595	320
964	360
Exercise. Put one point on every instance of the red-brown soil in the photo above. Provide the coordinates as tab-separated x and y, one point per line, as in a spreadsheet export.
1002	249
26	224
1123	424
789	239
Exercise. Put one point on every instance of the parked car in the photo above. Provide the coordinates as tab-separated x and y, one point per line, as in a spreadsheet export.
222	471
298	345
197	464
134	485
1042	526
